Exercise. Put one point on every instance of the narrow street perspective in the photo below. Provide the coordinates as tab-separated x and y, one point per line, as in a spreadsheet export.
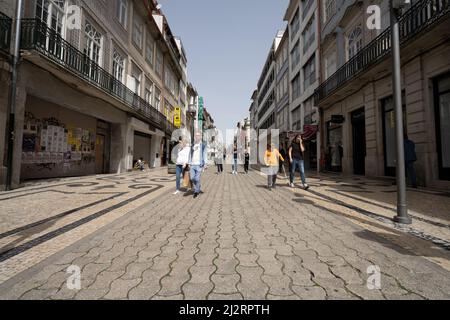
206	151
237	241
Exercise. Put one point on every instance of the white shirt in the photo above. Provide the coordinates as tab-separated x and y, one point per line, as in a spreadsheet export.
183	156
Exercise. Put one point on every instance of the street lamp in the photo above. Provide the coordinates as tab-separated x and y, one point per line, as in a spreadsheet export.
402	209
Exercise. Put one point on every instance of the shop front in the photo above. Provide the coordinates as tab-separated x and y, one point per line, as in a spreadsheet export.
59	142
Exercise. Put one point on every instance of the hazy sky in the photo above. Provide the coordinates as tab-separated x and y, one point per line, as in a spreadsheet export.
226	43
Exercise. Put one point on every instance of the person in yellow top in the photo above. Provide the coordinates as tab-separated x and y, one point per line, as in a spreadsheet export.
271	159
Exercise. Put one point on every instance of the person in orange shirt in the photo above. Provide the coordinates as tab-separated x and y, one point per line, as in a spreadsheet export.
271	159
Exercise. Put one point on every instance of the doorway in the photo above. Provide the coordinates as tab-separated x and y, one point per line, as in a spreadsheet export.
359	141
442	113
100	154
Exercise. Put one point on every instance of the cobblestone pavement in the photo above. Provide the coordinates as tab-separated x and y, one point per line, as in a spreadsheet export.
237	241
45	217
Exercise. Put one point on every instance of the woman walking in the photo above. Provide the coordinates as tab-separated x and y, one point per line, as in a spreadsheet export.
182	161
235	159
271	158
219	160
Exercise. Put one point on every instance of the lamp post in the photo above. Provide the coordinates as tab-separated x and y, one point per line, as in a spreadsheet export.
402	209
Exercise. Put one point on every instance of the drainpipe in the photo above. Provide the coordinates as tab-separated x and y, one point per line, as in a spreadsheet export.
12	98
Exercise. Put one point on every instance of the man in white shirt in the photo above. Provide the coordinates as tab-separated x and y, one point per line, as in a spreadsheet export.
197	162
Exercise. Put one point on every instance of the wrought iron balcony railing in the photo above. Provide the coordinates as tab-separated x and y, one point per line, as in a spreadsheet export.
419	17
37	36
5	32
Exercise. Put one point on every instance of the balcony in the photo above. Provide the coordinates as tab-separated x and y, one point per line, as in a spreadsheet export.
5	33
37	36
418	18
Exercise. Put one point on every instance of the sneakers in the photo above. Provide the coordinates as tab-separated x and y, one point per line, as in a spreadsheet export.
291	185
306	187
196	195
176	192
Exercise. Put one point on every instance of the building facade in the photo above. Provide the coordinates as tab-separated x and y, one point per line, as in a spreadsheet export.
302	17
97	88
356	93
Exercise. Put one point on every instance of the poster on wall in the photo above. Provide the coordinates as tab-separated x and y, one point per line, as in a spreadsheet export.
48	141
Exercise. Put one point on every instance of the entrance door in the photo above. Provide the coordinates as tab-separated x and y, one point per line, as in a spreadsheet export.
100	154
442	111
359	142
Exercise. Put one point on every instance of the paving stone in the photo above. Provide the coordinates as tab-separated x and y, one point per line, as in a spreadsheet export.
226	267
251	285
225	284
278	285
201	275
197	291
120	288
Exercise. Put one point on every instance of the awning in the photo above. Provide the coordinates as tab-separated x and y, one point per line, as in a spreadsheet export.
309	132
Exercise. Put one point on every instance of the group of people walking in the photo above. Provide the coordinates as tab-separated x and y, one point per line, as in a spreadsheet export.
192	161
274	160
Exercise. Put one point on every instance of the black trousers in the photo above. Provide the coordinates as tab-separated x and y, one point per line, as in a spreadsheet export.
220	168
246	164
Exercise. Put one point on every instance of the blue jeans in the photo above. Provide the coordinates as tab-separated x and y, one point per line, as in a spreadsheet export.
179	176
300	164
196	173
235	165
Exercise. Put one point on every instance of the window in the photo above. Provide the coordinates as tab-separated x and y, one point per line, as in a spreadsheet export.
118	65
296	90
93	43
157	98
122	11
52	13
148	91
136	80
159	62
309	35
295	24
330	64
306	5
309	72
354	42
169	80
296	119
295	55
149	49
330	9
138	30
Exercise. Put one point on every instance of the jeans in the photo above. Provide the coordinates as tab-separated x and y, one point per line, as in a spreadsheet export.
300	164
220	168
411	172
179	176
196	173
235	165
